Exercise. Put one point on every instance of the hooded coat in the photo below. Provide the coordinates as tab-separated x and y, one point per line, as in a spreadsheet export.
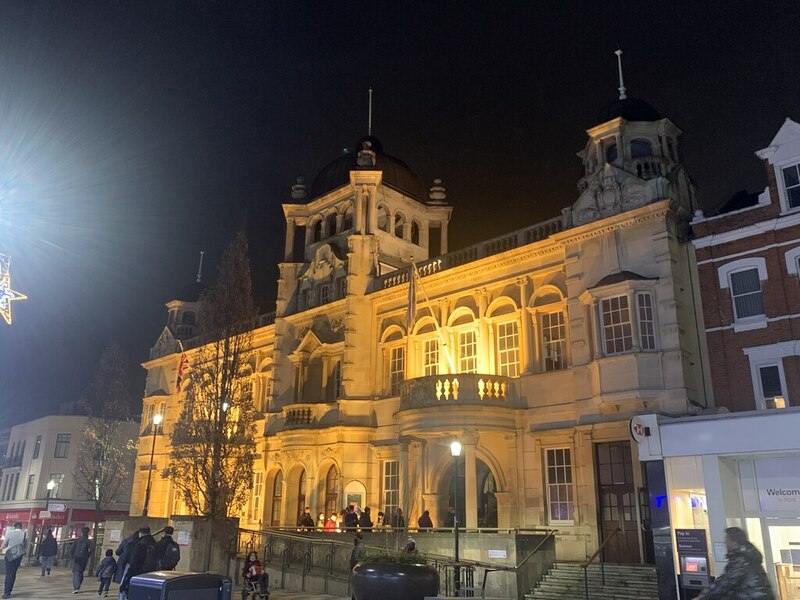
744	577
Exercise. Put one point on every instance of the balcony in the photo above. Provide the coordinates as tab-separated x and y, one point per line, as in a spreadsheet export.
310	415
463	389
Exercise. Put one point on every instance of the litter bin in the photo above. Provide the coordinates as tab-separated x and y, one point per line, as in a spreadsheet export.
174	585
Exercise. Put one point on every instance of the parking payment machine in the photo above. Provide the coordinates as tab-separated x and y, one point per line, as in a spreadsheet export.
693	556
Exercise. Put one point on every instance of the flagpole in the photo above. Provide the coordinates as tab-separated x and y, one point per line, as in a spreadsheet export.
442	340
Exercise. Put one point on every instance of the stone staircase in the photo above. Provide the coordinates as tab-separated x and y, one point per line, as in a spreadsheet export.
623	582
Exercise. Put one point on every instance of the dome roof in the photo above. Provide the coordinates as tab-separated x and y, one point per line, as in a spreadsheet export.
191	292
396	173
630	109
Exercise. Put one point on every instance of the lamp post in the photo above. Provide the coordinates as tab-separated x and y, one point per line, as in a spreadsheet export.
455	450
156	422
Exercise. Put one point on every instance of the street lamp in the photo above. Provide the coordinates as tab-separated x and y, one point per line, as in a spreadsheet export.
51	485
156	422
455	450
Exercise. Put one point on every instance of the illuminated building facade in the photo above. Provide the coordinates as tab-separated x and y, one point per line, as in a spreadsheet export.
533	349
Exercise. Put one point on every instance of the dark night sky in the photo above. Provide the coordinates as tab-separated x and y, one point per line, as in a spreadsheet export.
135	134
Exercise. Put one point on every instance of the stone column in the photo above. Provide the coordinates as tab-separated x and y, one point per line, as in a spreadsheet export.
406	485
372	210
358	212
595	327
288	251
424	236
525	326
537	360
470	480
407	231
310	234
325	365
483	332
443	237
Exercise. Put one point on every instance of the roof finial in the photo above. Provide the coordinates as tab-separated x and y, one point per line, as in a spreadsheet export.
369	121
621	88
200	267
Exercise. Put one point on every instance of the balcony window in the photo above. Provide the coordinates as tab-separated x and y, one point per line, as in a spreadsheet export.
397	369
508	349
430	357
554	341
791	180
468	352
615	319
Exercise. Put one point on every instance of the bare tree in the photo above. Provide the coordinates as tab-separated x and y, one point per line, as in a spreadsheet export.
213	442
106	453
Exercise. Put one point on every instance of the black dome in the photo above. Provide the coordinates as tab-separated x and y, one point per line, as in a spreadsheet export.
396	173
191	292
630	109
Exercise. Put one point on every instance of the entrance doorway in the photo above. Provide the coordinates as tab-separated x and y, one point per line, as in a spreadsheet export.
484	492
617	494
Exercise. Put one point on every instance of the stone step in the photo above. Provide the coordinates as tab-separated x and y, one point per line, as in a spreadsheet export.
566	581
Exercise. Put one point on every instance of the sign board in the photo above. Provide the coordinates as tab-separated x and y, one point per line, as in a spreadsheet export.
182	537
498	554
691	541
57	507
45	514
692	546
638	429
778	483
114	535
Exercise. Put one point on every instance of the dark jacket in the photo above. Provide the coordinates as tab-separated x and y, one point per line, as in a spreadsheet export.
102	570
49	546
124	551
358	553
365	522
161	551
82	549
350	520
425	521
744	577
143	559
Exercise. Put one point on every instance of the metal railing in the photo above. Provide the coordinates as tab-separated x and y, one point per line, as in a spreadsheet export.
601	553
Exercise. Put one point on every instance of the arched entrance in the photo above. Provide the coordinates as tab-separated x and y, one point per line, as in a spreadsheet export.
484	492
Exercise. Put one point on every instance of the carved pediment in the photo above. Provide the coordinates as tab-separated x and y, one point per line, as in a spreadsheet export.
612	191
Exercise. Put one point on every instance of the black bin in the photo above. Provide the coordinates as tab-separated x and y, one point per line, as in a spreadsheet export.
174	585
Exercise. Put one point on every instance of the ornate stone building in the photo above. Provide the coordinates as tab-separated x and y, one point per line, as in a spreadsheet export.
533	349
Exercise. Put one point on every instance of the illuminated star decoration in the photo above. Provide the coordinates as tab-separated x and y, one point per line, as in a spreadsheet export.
6	293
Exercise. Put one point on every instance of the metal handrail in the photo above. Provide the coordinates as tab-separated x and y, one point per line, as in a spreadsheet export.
585	566
539	545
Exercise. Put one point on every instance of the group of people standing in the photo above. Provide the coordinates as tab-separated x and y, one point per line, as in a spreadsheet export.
138	553
351	518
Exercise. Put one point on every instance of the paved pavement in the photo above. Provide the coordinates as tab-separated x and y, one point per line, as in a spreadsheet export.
30	584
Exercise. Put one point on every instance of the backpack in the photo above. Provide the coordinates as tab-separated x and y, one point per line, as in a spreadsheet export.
172	556
150	563
108	570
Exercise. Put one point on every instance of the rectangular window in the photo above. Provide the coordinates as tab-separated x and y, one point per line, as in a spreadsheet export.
616	324
560	502
58	480
391	487
337	380
29	487
397	369
467	352
343	287
62	445
430	357
771	387
16	484
746	292
5	487
791	179
147	418
324	294
554	341
647	329
508	349
258	486
37	446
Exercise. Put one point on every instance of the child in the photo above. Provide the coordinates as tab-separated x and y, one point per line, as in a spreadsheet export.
105	572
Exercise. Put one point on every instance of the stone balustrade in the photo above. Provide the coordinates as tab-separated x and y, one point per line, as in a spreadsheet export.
460	389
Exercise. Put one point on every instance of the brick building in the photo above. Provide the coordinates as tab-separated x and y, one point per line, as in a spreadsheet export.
747	257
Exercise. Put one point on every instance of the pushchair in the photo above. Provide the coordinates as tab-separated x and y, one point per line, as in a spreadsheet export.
257	587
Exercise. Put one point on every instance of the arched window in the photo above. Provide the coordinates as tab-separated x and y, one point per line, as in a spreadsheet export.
330	221
398	225
414	233
317	229
611	153
332	491
301	494
188	318
383	219
641	148
347	225
277	497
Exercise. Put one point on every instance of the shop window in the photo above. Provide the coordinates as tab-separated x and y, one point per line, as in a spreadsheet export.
554	341
560	501
397	369
771	386
508	349
62	445
616	325
430	357
791	181
467	352
391	487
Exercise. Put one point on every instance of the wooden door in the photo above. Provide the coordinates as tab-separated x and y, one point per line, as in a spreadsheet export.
617	496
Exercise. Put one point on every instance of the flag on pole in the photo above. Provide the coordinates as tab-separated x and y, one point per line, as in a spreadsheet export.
183	366
411	310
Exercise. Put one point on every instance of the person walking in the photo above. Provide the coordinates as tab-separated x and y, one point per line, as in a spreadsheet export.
142	559
744	577
14	546
82	549
47	552
168	553
123	552
358	553
105	572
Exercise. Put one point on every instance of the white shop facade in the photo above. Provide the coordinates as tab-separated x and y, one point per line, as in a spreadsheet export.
732	469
